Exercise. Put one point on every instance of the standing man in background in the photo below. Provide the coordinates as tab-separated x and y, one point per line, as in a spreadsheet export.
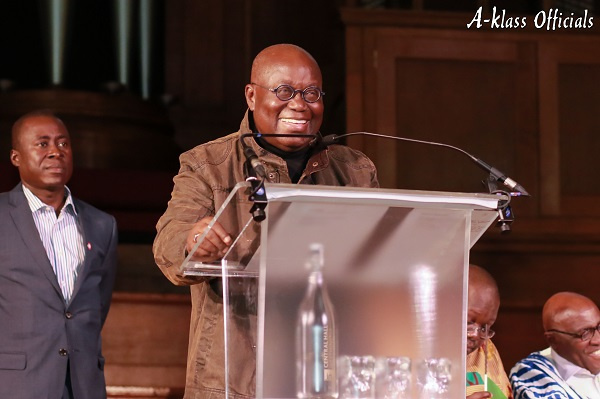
58	258
284	96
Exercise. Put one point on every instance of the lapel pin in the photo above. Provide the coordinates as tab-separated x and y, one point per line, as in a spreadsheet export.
89	246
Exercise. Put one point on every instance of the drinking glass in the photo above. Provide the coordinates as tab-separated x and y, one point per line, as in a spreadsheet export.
357	377
393	375
433	378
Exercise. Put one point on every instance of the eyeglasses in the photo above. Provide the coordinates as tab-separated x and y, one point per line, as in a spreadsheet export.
284	92
585	335
474	329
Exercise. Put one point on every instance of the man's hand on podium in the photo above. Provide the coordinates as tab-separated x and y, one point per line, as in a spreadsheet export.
215	244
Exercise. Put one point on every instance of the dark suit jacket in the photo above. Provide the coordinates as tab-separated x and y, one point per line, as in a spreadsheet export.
38	332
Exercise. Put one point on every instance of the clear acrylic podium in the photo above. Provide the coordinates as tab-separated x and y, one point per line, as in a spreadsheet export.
395	267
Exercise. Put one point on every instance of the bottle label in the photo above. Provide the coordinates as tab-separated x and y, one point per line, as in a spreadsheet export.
325	347
327	370
329	375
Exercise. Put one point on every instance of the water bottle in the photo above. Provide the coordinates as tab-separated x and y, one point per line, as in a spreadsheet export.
316	340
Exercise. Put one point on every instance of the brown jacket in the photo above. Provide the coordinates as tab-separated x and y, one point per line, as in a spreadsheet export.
206	176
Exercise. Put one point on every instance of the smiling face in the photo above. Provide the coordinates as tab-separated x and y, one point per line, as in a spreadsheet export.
573	313
42	153
274	66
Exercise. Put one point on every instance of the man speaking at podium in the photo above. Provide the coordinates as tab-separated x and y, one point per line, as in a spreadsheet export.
284	96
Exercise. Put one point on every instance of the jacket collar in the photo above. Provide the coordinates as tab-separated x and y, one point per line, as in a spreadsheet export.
23	220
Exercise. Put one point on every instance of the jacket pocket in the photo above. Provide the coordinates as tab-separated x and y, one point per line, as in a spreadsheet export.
13	361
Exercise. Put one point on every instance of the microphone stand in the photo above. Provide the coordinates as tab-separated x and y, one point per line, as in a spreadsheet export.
505	214
258	195
254	167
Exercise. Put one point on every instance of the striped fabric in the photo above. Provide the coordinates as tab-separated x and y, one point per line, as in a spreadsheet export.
537	377
62	238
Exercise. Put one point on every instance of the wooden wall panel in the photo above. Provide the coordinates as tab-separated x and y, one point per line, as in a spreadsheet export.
524	102
579	125
447	101
579	128
452	88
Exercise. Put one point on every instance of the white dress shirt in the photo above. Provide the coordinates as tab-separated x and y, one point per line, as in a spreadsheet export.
580	379
62	238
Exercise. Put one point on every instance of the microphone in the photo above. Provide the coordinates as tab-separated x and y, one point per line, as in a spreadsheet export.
251	156
259	168
494	172
258	194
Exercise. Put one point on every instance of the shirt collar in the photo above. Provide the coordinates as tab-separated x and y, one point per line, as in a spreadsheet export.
567	369
35	204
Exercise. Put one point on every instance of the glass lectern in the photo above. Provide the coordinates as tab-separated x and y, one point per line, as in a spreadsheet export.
395	262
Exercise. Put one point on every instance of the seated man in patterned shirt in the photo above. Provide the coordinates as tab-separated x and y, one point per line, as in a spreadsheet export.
570	367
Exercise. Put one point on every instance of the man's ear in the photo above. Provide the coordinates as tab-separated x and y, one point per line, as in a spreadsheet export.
250	96
15	158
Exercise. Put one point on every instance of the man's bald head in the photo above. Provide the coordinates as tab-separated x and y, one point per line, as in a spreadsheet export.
566	317
482	281
562	307
484	302
270	59
17	127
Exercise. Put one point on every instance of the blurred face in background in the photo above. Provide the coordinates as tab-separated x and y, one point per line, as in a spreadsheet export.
481	316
